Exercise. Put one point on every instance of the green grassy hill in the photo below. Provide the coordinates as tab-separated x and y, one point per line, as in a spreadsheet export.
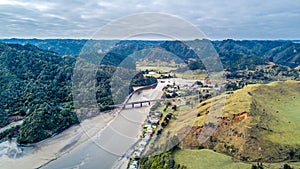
259	123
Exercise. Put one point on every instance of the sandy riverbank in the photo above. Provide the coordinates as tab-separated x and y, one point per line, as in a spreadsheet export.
52	148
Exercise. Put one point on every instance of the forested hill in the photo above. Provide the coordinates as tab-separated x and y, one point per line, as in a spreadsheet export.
254	52
234	54
60	46
35	84
74	46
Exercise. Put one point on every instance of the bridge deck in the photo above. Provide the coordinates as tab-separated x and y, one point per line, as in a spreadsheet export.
136	102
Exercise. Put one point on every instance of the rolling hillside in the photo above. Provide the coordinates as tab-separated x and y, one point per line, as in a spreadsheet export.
259	123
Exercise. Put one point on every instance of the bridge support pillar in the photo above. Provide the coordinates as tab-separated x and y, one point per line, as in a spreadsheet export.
149	103
141	104
132	105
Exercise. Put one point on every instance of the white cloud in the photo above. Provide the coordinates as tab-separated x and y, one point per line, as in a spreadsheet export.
105	4
239	19
41	6
55	16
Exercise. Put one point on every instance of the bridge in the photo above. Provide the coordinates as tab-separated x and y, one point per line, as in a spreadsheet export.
136	103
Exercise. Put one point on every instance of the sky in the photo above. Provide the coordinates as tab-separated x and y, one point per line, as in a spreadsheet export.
218	19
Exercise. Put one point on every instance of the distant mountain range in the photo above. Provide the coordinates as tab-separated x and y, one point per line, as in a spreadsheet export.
285	53
234	54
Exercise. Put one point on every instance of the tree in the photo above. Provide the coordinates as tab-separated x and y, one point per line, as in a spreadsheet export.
286	166
3	118
169	116
174	108
164	124
258	166
292	154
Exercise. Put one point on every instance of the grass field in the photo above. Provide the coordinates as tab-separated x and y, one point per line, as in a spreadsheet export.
162	66
192	74
157	68
281	100
206	159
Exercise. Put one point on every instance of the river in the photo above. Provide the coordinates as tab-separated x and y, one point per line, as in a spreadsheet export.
101	142
107	148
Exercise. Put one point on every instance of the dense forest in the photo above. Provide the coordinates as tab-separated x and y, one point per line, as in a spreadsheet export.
36	85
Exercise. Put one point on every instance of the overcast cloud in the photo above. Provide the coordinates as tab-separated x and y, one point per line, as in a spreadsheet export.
218	19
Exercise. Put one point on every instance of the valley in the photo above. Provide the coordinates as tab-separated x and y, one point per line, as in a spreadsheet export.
242	115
